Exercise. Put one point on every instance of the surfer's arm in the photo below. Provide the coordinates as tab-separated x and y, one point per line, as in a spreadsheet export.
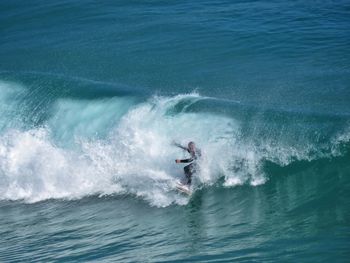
184	160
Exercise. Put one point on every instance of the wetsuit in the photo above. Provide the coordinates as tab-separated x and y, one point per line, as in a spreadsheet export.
192	167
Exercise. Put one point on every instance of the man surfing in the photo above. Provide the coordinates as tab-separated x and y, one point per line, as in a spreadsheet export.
192	167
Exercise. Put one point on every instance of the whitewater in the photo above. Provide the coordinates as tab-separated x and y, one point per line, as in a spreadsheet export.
112	145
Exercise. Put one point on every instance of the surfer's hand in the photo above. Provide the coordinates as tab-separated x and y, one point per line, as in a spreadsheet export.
177	161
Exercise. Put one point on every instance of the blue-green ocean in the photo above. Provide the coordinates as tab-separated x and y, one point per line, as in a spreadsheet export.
94	93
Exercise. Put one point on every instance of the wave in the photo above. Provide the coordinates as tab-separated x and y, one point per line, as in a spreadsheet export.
121	145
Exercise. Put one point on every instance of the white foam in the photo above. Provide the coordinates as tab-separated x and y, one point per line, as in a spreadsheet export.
137	157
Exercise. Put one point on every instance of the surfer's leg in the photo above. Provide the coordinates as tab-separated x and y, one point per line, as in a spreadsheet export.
188	172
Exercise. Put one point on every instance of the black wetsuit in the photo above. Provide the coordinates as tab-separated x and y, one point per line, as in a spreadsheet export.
192	167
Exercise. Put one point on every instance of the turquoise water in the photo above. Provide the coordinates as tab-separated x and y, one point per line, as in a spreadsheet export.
92	95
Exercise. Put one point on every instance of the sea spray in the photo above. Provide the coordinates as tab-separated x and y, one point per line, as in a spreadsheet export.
115	146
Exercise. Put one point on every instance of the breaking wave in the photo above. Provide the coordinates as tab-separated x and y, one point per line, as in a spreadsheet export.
70	147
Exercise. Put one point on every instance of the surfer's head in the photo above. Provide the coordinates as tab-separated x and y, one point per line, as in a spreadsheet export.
191	146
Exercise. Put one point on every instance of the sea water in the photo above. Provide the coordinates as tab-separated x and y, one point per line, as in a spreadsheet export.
93	95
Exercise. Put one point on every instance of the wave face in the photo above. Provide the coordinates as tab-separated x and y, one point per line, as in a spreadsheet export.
105	164
65	146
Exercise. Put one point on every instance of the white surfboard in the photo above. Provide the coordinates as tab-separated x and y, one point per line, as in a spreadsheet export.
183	188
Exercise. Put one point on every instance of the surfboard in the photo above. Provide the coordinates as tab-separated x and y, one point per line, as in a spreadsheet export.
183	188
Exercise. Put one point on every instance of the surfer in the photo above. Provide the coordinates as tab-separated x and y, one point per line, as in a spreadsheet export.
192	167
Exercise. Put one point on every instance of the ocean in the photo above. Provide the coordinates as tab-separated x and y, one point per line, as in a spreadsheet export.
93	95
